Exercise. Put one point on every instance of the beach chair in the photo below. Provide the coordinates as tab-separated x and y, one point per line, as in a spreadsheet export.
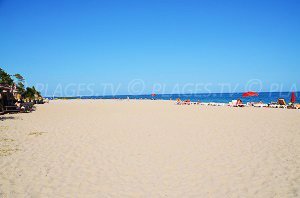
232	103
236	103
281	102
187	102
204	104
178	101
274	105
241	105
260	104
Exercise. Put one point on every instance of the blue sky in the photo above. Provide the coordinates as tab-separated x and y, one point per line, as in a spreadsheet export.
160	42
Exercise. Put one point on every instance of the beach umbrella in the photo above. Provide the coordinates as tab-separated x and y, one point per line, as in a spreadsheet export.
250	94
293	97
153	95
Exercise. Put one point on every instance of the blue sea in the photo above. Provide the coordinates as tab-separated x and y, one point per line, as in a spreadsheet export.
265	97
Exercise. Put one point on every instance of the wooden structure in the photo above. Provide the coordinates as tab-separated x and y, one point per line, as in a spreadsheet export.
7	99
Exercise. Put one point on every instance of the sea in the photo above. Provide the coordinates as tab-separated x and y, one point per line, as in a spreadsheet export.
265	97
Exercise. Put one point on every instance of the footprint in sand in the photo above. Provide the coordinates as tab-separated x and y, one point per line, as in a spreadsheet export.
7	147
6	140
36	133
3	128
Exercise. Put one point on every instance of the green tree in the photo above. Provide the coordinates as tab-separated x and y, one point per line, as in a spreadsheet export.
19	77
30	93
36	92
20	83
21	88
5	78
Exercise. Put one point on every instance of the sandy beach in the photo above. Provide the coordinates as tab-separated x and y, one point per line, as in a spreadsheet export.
111	148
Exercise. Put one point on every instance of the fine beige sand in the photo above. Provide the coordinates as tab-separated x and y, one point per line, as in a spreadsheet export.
110	148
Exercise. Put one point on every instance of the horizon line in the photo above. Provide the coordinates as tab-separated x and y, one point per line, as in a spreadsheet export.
166	94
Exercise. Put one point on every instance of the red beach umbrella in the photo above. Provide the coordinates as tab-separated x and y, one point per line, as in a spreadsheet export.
250	94
153	95
293	97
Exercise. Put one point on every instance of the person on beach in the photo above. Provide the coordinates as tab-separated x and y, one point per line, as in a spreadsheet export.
239	102
18	104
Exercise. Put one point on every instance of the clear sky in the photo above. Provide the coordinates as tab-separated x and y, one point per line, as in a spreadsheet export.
166	42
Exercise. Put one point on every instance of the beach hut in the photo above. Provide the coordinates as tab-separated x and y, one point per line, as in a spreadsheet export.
2	88
5	94
7	99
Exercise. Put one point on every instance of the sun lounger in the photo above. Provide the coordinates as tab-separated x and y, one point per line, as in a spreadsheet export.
274	106
250	104
233	103
281	101
236	103
260	105
187	102
215	104
291	106
280	104
178	103
204	103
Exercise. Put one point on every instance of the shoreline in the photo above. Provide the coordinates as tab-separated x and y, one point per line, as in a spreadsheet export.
217	98
192	103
